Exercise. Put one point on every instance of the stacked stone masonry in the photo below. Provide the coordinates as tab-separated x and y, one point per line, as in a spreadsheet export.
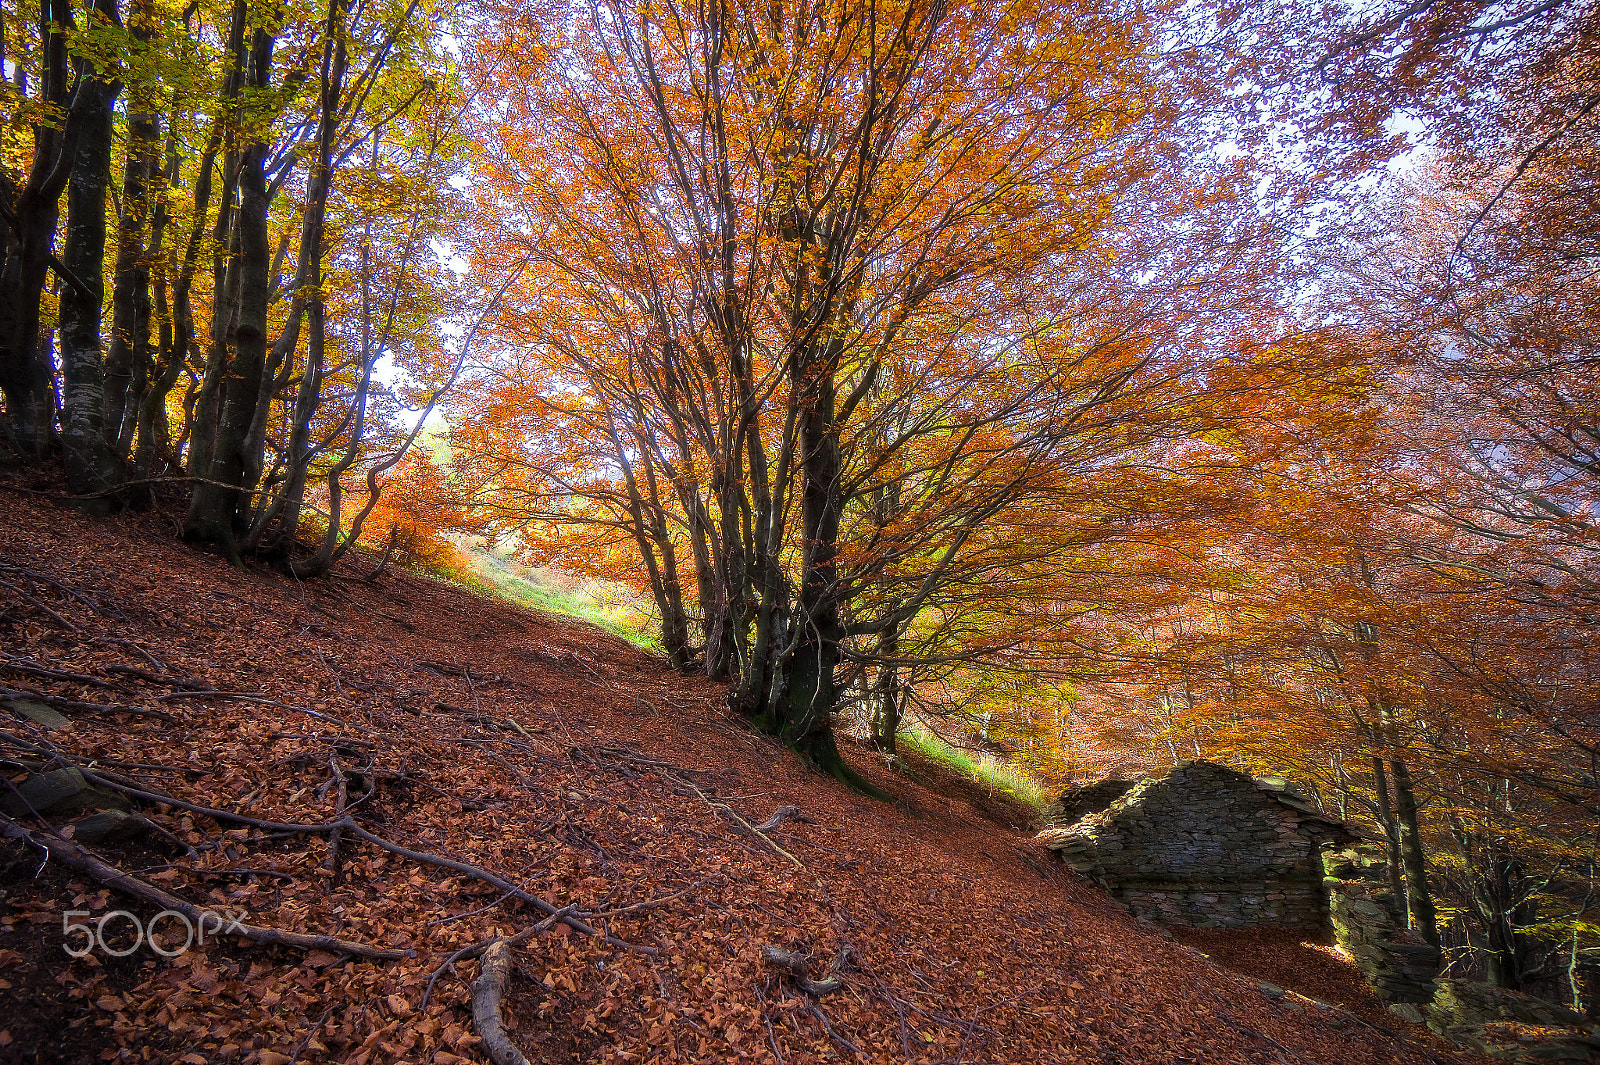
1370	927
1510	1026
1207	846
1081	800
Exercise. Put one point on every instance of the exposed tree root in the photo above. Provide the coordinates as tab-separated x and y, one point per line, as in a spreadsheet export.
76	858
79	704
487	991
348	825
799	966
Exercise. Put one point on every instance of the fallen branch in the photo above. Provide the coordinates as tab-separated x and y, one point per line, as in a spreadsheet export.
760	830
79	704
80	860
487	991
799	966
31	601
249	697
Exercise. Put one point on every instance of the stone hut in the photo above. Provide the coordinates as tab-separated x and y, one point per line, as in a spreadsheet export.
1210	847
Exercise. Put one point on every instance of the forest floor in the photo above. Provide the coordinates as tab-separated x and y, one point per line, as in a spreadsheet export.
582	772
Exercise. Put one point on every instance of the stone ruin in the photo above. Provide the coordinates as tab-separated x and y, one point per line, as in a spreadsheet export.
1210	847
1205	846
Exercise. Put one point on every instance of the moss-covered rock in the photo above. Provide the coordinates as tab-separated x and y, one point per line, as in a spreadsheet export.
1510	1025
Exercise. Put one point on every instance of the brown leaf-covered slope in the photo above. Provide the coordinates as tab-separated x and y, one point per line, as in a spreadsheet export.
567	764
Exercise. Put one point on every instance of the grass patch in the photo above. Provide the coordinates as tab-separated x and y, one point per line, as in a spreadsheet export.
516	583
983	769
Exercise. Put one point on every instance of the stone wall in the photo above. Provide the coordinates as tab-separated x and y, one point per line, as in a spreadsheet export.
1206	846
1081	800
1369	925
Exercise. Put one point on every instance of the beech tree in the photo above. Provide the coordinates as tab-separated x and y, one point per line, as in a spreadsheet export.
813	305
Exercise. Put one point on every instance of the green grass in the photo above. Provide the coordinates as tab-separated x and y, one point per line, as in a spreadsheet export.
516	583
983	768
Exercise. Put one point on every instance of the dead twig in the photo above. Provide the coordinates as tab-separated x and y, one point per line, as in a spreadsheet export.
772	822
313	1030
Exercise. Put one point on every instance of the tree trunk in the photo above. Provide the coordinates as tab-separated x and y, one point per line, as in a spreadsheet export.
886	702
152	434
1391	831
89	463
128	363
282	521
31	217
1496	884
811	692
220	501
1419	901
650	535
24	365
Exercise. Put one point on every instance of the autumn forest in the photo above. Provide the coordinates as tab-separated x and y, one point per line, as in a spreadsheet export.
1094	385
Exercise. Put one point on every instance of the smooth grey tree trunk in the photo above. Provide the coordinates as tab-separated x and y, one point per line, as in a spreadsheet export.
90	466
220	502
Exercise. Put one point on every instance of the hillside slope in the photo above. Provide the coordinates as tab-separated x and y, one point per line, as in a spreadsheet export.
568	764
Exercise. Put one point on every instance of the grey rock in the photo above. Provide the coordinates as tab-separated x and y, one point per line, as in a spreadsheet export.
108	826
38	713
60	792
1406	1011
